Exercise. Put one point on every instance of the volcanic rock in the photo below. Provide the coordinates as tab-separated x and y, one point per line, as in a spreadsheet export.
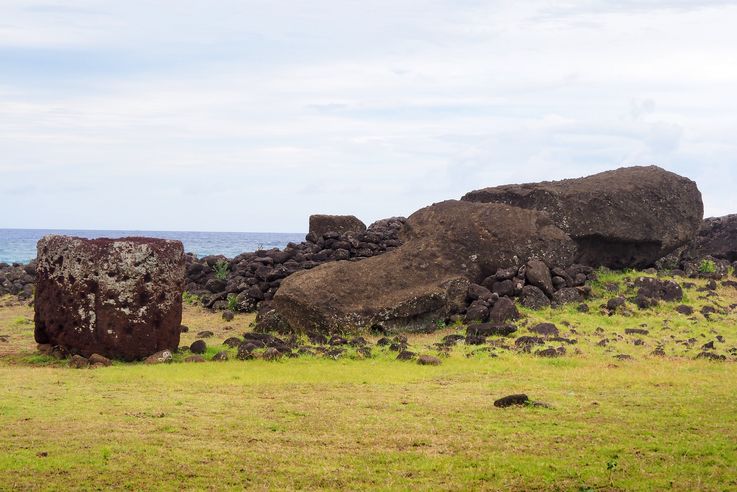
629	217
339	224
534	298
446	247
121	298
717	237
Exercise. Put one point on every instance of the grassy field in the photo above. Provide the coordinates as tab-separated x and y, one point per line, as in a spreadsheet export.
650	423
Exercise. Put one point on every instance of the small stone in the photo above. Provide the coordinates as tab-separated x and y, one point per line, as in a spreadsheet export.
406	355
159	357
99	359
635	331
511	400
545	329
271	354
198	347
194	358
548	352
711	356
78	362
205	334
220	356
232	342
428	360
228	315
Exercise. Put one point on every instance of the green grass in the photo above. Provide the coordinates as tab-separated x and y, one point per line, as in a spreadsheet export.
651	423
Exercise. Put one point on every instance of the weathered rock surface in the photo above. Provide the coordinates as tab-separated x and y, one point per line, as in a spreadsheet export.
120	298
629	217
717	237
445	247
339	224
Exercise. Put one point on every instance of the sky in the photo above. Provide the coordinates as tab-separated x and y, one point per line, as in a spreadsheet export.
251	115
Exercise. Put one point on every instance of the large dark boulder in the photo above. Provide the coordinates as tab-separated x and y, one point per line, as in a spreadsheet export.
629	217
121	298
446	246
340	224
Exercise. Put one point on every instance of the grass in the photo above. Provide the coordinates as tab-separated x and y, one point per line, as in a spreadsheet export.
647	424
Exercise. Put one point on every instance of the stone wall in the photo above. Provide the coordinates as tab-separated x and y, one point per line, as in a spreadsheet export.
255	276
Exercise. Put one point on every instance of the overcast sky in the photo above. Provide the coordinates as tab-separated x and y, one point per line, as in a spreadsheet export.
251	115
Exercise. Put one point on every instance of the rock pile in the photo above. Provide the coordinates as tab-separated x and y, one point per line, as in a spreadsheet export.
255	277
17	280
534	284
119	298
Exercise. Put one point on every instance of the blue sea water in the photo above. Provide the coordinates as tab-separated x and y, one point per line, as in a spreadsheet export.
19	245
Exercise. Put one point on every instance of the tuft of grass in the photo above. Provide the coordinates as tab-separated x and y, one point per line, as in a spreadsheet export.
221	269
191	299
707	266
233	302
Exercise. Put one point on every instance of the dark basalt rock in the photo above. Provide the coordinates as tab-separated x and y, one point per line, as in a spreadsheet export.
653	288
198	347
511	400
636	331
538	274
534	298
121	298
428	360
629	217
489	329
504	310
406	355
567	295
338	224
545	329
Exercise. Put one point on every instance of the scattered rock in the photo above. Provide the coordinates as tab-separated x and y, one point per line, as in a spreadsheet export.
232	342
159	357
548	352
96	359
636	331
534	298
567	295
545	329
490	329
220	356
194	358
512	400
271	354
406	355
78	362
205	334
428	360
711	356
198	347
228	315
685	310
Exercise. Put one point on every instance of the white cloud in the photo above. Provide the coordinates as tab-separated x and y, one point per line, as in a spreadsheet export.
251	115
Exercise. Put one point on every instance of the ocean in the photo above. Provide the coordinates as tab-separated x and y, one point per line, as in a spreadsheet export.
19	245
